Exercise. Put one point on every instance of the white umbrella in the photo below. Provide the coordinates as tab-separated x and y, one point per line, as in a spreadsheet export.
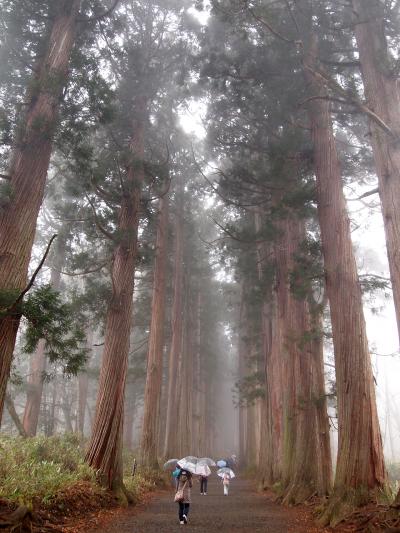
191	459
207	461
202	470
222	471
187	465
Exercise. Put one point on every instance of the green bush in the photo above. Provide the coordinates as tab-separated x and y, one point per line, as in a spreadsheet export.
36	468
145	479
394	471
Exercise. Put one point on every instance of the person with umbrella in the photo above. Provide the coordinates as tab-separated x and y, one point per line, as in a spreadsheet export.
226	474
203	468
225	483
183	494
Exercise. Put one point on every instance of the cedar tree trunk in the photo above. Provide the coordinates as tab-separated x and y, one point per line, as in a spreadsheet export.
104	453
170	446
28	171
360	465
383	96
300	468
152	394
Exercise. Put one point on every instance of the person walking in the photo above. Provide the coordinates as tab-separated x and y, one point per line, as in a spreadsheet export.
183	494
225	483
203	485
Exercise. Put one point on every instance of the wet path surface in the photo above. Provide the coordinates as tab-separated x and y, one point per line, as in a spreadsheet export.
243	511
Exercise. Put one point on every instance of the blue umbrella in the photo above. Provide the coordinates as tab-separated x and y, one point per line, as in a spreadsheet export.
175	473
221	463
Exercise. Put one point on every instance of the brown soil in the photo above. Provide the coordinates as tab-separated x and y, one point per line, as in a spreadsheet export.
84	508
74	507
243	511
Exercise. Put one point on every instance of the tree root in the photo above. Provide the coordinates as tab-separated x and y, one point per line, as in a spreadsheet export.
297	493
342	503
20	519
360	509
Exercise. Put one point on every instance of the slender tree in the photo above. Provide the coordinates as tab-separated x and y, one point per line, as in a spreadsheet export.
170	446
105	448
152	397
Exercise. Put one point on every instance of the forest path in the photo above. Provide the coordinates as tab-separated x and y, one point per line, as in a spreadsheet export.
243	511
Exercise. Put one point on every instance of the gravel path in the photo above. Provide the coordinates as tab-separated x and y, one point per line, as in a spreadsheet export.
243	511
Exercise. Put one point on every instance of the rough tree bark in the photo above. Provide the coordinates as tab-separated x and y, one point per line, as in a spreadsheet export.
197	438
28	170
267	457
170	446
104	453
360	465
241	375
186	400
324	456
301	469
382	93
152	394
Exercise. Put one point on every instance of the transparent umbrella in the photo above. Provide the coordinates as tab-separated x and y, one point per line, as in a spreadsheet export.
202	470
191	459
170	464
207	461
187	465
222	471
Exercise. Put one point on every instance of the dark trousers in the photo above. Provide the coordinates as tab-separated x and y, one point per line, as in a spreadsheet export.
203	484
183	509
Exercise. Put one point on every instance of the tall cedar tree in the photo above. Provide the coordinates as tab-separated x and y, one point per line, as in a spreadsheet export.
171	434
29	163
152	398
381	84
360	464
105	448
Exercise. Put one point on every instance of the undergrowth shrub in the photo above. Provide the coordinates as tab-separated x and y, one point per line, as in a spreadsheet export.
144	480
36	468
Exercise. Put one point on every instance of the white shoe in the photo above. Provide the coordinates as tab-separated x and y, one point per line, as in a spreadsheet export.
205	494
185	520
182	522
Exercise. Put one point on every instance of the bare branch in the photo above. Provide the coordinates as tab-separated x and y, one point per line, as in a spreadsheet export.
335	86
368	193
13	306
88	271
235	237
97	222
267	25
